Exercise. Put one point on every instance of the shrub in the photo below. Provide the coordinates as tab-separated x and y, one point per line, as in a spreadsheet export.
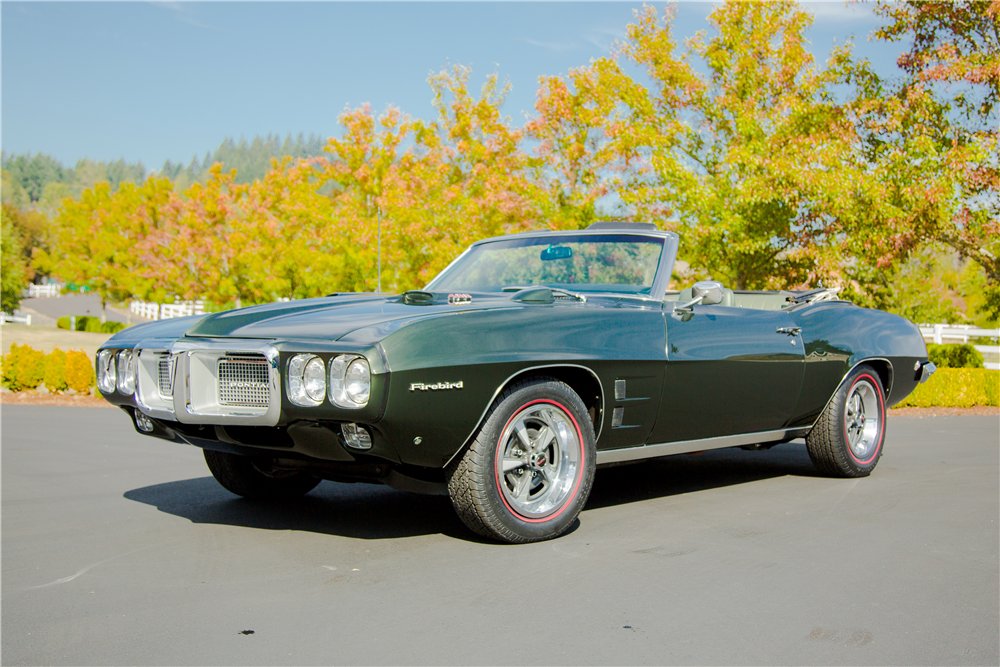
55	370
23	368
8	370
956	388
79	371
82	321
92	324
954	356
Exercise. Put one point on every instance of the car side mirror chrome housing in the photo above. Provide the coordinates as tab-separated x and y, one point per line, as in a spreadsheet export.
706	292
710	291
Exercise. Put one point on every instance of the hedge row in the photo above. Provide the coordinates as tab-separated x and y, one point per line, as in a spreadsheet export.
25	368
955	355
92	324
956	388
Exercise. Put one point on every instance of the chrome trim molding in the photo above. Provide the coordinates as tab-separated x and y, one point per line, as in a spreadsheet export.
205	408
927	369
704	444
597	435
851	370
147	395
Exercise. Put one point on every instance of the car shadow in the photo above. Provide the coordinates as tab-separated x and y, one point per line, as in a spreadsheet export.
363	511
689	473
373	512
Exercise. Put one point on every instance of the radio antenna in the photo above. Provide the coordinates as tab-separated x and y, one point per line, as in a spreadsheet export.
378	216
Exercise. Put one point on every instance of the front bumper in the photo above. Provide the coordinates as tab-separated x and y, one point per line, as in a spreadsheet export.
194	393
237	382
925	370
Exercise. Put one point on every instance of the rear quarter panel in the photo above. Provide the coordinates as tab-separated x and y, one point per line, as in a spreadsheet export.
837	336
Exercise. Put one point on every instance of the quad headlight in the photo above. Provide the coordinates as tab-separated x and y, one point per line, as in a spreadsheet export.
126	372
350	381
107	371
306	380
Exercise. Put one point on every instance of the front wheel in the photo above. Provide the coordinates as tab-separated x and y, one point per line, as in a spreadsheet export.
528	472
847	439
255	478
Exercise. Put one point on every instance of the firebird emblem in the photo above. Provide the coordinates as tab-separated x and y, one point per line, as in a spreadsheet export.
420	386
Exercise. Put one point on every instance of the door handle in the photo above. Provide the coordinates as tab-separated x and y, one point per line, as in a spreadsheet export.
791	331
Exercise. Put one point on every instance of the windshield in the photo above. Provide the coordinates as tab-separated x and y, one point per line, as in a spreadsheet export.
606	263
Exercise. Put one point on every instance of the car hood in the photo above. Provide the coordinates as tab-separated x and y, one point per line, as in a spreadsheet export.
334	317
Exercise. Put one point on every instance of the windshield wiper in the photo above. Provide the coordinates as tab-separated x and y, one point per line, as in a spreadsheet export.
812	296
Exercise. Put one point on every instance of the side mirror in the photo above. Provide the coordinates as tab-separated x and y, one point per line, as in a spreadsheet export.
709	290
706	292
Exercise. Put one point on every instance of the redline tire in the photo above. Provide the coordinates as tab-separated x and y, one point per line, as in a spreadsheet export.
848	437
528	471
250	477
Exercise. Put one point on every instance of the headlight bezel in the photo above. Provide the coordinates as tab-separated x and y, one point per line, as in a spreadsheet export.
340	393
126	372
296	383
107	373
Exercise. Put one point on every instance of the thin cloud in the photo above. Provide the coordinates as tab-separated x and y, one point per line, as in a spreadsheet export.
839	10
605	39
555	47
181	11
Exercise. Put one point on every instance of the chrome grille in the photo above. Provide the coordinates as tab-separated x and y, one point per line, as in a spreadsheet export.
244	381
165	376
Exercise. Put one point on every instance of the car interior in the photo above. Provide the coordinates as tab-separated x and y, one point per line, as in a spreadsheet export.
738	299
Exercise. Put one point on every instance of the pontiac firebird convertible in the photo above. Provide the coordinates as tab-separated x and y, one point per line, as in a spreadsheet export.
527	363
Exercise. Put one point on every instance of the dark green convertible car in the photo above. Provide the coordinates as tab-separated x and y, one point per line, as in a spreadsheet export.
526	364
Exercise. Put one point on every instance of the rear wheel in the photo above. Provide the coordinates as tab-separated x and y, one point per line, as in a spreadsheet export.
847	439
256	478
528	472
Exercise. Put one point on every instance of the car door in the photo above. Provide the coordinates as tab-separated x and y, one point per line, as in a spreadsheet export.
728	371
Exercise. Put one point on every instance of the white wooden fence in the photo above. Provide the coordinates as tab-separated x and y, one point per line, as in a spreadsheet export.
163	311
939	333
36	291
961	332
15	319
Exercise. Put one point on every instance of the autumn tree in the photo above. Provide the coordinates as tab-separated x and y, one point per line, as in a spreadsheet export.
738	137
576	165
100	235
477	150
13	276
931	142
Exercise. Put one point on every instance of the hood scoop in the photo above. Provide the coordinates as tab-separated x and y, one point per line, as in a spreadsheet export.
420	298
417	297
534	295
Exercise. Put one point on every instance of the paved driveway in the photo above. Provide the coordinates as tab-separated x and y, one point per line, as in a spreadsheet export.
119	549
52	308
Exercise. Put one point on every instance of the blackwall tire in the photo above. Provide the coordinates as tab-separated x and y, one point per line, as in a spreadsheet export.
251	477
528	471
848	437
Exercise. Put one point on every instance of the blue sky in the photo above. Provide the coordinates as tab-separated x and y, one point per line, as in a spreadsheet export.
152	81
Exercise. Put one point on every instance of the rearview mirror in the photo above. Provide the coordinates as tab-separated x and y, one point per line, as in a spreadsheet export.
556	252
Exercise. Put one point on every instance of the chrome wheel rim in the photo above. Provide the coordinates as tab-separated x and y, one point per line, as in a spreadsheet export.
539	460
861	419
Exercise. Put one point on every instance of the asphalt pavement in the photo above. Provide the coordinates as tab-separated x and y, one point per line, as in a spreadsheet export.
47	310
120	549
